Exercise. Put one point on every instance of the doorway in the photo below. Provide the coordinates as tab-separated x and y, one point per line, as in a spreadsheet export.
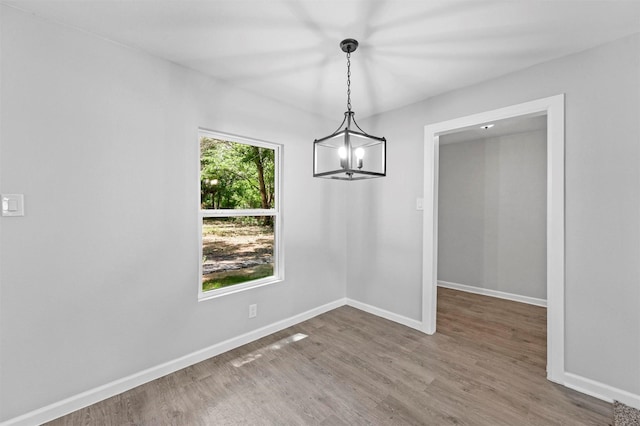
553	109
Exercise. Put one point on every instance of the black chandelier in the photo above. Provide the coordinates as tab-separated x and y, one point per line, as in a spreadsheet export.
349	154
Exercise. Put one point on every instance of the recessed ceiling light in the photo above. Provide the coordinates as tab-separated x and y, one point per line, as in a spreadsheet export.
487	126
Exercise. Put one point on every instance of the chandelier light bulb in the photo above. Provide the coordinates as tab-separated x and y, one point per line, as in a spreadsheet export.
359	152
342	152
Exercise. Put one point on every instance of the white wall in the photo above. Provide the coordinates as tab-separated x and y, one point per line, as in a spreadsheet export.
492	213
99	279
602	87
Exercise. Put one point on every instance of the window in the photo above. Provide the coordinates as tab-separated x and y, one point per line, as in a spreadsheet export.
240	221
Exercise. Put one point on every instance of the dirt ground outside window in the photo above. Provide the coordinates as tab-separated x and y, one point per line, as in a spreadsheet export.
235	250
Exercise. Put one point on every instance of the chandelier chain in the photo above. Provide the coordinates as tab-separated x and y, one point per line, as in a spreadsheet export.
349	81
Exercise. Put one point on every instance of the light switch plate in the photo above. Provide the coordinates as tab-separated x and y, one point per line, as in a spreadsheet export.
12	205
419	203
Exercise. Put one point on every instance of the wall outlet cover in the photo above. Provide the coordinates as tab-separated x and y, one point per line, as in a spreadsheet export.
12	205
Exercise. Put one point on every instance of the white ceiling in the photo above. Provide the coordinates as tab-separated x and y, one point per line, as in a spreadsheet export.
508	126
409	50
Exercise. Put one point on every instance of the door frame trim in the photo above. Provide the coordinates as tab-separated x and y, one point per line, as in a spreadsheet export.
553	107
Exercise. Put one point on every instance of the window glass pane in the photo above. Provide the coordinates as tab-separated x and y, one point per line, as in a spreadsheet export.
236	250
235	175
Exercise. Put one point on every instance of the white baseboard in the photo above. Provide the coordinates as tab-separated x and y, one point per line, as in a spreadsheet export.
69	405
116	387
600	390
385	314
493	293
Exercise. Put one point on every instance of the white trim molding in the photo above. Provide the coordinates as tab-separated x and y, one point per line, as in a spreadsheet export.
553	108
493	293
600	390
400	319
92	396
84	399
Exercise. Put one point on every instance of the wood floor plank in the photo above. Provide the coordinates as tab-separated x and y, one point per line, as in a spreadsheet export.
484	366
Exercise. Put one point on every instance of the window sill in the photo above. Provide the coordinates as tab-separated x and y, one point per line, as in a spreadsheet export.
214	294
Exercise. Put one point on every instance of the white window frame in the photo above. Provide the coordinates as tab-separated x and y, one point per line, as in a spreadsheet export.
278	254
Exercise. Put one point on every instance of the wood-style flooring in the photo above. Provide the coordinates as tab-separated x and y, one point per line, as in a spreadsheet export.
484	366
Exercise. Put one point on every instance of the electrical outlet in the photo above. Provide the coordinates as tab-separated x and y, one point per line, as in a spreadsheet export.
253	311
12	205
